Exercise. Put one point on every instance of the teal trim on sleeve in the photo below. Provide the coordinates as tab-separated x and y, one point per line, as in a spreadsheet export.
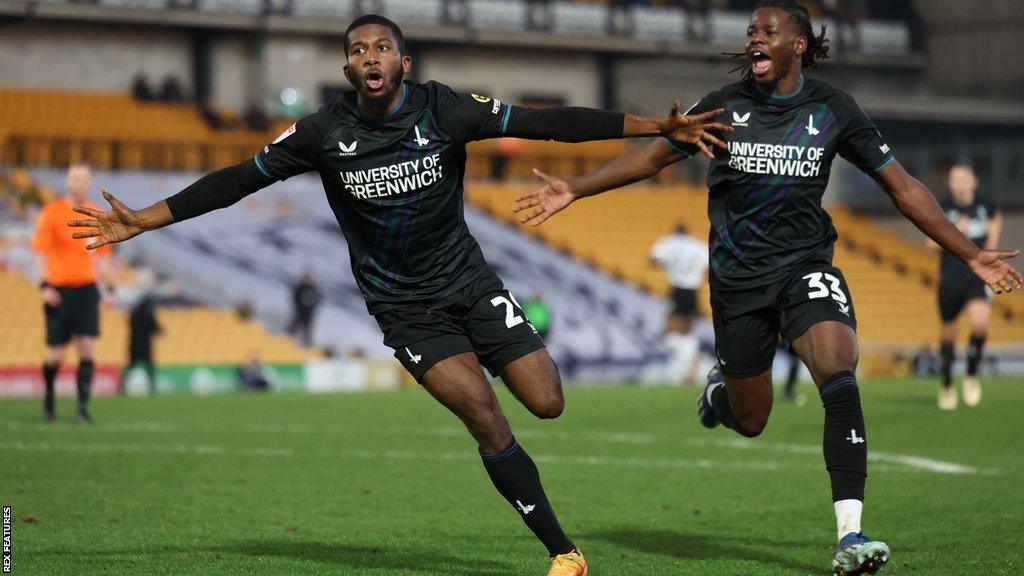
675	146
882	166
504	120
259	165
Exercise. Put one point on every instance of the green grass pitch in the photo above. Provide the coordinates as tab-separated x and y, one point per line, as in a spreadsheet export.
390	484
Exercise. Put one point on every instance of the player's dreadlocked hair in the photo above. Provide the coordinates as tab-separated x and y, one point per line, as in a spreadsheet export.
817	46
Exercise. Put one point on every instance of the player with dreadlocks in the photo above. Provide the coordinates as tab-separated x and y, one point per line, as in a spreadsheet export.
771	246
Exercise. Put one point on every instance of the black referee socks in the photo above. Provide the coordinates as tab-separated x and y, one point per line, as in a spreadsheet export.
84	381
516	477
49	378
845	442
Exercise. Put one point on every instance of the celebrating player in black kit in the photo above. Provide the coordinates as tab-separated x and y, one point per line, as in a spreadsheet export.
960	290
771	246
391	158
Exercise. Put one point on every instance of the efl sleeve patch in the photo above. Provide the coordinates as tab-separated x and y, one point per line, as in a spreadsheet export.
285	134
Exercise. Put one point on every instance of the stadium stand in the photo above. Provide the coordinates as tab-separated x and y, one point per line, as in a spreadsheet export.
51	127
874	26
887	275
113	130
613	233
257	250
244	254
887	249
554	157
192	335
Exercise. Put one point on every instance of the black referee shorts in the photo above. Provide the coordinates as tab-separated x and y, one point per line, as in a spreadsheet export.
748	321
78	314
483	317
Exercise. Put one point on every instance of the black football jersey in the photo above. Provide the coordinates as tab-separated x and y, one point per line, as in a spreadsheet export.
395	186
977	216
765	192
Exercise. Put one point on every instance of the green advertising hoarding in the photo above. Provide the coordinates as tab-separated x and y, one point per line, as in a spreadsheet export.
188	379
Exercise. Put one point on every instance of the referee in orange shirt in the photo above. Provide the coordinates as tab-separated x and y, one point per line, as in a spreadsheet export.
67	273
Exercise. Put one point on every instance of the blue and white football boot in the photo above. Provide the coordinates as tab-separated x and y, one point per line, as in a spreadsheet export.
858	554
704	409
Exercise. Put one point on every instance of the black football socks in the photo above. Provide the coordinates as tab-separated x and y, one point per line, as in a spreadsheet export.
974	351
84	381
845	441
49	379
516	477
946	352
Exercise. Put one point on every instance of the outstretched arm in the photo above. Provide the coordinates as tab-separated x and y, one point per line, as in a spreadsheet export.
215	190
916	202
471	117
571	124
635	164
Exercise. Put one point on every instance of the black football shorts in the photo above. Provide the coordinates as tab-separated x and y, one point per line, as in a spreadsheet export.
684	302
78	314
483	317
956	291
748	321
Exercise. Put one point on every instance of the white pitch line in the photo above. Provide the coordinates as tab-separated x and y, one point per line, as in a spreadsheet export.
920	463
927	464
468	456
136	448
937	466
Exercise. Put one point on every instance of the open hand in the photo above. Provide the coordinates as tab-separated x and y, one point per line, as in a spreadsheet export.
991	267
117	225
696	129
51	297
545	202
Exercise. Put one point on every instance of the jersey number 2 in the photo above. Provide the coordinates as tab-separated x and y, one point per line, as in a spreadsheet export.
822	291
511	318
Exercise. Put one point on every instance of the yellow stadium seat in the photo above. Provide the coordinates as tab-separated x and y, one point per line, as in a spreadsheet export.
615	232
54	126
191	336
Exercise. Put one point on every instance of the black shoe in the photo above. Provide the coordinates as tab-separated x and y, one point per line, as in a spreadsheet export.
704	410
49	416
83	417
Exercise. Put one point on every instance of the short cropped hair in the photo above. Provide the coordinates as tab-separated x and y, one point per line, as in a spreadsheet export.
380	20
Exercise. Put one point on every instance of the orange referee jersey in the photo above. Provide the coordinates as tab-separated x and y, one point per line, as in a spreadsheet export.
68	263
